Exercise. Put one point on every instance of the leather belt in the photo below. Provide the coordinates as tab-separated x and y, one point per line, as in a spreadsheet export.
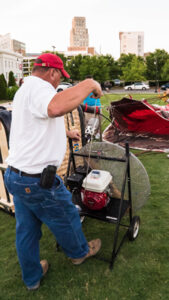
23	173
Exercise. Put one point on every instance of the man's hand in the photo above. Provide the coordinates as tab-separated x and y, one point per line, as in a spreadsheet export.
73	134
97	92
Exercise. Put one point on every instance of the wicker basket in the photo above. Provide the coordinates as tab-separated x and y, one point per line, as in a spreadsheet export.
73	120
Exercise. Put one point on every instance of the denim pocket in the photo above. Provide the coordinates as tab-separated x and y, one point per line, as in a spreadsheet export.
25	188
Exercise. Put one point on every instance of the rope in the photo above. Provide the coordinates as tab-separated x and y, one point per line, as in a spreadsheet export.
90	147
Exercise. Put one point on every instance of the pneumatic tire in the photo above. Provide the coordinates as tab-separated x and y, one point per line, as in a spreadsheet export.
134	228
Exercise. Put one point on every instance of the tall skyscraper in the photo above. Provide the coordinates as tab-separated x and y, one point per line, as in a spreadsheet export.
79	33
132	42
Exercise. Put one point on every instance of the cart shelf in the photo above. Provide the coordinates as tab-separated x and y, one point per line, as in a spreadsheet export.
107	214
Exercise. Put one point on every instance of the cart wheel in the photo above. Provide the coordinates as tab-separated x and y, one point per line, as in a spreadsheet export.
79	210
134	228
82	219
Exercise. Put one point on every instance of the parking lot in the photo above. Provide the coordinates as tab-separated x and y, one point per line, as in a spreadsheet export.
121	90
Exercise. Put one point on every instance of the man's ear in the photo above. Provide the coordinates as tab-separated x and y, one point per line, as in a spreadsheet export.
52	72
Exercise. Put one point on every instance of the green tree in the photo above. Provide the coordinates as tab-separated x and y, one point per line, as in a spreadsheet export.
100	67
113	66
3	89
85	68
165	71
11	91
96	66
124	61
135	70
73	65
12	81
3	77
155	63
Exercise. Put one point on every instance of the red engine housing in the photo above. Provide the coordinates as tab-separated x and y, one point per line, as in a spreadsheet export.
94	200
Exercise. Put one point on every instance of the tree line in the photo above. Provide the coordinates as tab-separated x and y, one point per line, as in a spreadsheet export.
7	89
128	68
154	67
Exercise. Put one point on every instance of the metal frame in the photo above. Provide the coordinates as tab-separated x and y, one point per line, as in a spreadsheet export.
123	205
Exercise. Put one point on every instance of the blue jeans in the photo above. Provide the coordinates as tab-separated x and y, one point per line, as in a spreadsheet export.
35	205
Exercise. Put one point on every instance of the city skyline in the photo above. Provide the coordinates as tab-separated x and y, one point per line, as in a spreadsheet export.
41	26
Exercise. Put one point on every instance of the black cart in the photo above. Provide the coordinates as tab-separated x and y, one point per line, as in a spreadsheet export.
116	208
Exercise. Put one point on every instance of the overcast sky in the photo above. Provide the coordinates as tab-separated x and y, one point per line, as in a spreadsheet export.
41	24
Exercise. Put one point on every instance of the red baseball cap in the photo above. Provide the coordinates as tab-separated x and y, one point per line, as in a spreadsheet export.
52	61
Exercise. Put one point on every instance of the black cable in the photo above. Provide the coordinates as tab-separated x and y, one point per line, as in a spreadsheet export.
108	120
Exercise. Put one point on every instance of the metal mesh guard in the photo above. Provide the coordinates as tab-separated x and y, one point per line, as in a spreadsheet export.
140	185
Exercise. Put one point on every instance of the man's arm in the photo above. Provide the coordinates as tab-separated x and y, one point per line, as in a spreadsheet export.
69	99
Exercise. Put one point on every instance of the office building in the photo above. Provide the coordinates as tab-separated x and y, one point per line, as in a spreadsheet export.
132	42
11	61
79	39
6	43
79	36
28	62
11	57
18	47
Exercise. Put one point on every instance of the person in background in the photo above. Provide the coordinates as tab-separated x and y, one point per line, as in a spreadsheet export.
36	149
20	82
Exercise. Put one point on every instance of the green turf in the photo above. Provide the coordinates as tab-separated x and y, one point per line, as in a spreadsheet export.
141	271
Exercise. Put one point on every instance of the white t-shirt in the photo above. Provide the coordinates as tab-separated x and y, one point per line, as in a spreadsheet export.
35	139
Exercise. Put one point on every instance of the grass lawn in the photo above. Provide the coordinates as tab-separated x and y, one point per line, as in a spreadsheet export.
141	271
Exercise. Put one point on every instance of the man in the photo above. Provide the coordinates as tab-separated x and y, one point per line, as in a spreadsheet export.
37	144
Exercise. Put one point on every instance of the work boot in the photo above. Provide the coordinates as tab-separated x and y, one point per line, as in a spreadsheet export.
94	247
45	267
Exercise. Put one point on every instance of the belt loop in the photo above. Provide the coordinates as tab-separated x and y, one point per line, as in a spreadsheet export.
19	173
